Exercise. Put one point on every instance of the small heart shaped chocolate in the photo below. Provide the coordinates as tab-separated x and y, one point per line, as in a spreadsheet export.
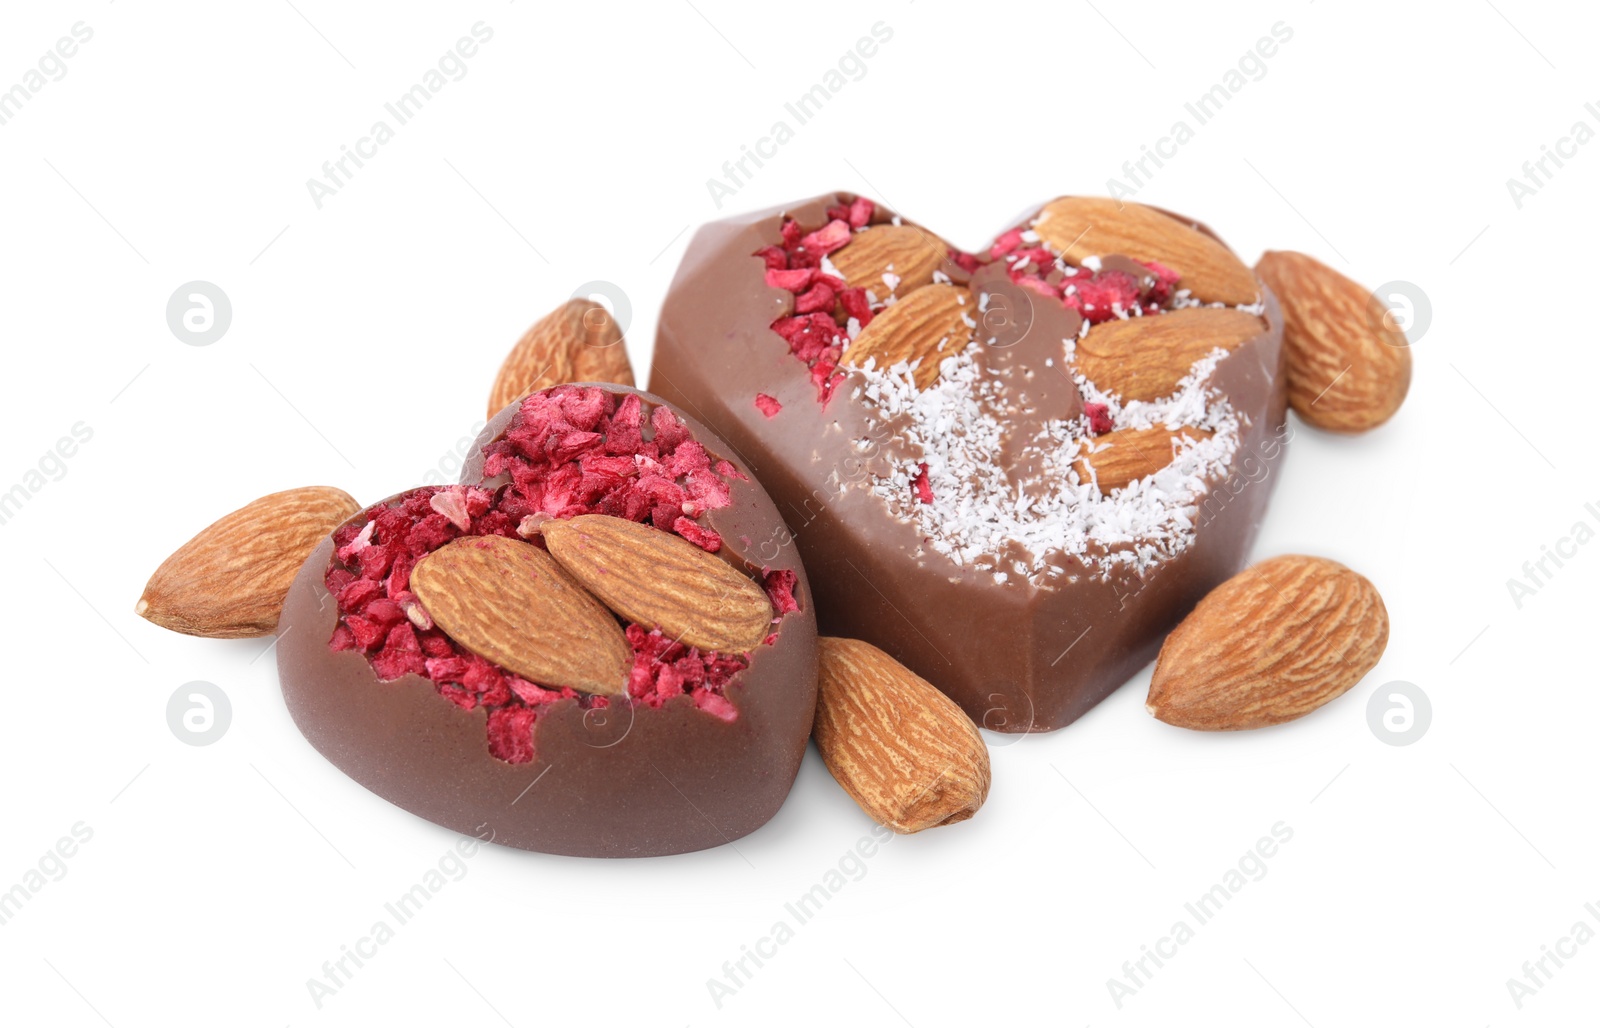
644	686
1014	470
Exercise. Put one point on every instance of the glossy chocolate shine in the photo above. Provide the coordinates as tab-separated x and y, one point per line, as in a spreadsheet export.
1017	657
623	781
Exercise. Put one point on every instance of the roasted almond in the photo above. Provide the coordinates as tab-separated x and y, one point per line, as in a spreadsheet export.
508	602
1077	227
660	580
906	252
229	582
1349	365
902	749
1126	455
1269	645
577	342
929	324
1145	358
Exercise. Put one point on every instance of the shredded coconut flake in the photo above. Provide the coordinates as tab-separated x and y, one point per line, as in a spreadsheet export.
977	513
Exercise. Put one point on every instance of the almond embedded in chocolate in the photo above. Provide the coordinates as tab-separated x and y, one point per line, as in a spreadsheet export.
1145	358
927	325
903	255
1080	227
510	603
1117	459
661	581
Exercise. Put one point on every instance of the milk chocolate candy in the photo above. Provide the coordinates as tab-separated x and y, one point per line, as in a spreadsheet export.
1014	471
667	749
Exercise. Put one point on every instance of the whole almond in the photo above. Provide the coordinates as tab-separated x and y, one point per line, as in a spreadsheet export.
1269	645
1077	227
1349	365
1145	358
229	582
1126	455
508	602
660	580
929	324
908	253
901	748
577	342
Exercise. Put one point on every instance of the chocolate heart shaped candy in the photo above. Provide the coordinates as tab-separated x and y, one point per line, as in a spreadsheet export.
553	699
1014	471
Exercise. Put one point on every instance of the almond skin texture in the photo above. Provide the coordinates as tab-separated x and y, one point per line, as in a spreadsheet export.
577	342
229	582
902	749
660	580
508	602
1130	454
928	323
1090	226
903	250
1145	358
1349	365
1271	644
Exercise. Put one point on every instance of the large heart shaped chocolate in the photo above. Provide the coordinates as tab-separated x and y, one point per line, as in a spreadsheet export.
1015	470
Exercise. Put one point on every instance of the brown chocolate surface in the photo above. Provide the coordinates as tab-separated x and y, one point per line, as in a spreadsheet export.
1017	656
623	781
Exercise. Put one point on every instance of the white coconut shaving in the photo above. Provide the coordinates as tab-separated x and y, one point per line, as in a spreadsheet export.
978	514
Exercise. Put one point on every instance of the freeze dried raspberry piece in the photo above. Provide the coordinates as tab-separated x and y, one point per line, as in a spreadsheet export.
511	734
827	239
768	405
921	486
663	668
704	538
795	281
779	586
1099	416
856	306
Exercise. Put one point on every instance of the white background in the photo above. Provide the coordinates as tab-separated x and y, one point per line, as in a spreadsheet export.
364	338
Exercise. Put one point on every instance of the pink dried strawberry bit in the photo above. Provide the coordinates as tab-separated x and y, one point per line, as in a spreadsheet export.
1005	243
715	704
795	281
779	586
704	538
818	298
791	232
1099	416
773	256
1035	284
768	405
511	734
452	503
1165	287
965	261
827	239
856	306
361	541
921	486
861	212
